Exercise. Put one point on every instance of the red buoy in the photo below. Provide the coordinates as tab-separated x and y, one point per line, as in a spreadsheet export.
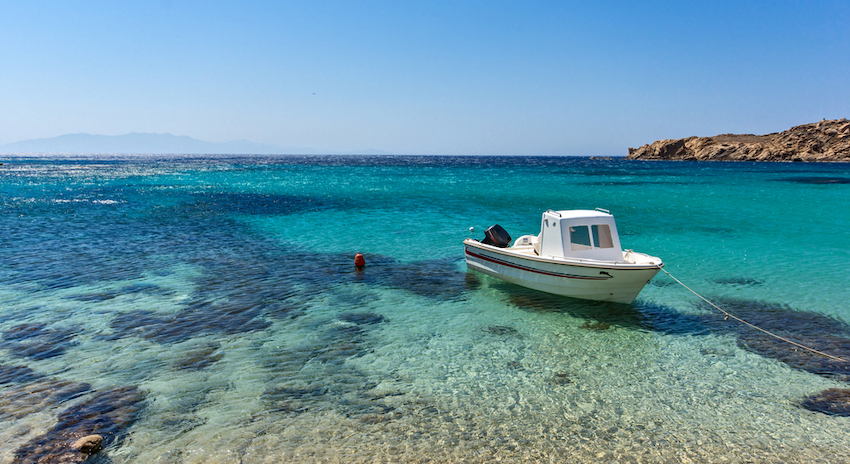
359	261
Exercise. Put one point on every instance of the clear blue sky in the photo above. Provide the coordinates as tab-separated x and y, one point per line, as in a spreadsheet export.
429	77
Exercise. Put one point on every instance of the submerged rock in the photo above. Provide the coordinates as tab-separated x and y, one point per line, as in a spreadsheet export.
89	444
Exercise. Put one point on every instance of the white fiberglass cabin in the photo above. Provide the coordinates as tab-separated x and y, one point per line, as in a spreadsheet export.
577	254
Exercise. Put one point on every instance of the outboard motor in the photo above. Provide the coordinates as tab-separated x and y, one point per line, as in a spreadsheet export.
496	236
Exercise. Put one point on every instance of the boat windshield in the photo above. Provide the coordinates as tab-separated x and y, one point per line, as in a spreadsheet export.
580	237
602	236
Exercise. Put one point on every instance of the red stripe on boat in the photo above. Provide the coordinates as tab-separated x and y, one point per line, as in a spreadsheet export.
528	269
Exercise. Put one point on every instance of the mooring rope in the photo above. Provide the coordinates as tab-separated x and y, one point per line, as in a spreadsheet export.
728	315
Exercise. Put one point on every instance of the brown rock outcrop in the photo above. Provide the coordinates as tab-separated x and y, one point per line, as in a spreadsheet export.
822	141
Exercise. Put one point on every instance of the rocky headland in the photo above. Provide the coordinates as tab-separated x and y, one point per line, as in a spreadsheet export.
824	141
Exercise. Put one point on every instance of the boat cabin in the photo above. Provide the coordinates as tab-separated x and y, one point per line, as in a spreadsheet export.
580	234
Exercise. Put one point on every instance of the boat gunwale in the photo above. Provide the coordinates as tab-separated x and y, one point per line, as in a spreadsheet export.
566	261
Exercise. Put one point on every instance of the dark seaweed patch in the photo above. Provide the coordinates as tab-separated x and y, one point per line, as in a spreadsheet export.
20	314
17	374
381	395
181	424
799	358
143	288
344	338
717	353
362	318
663	319
36	341
741	281
44	393
560	379
340	343
198	319
817	180
125	290
350	398
776	316
439	279
295	393
811	329
368	412
834	402
335	341
199	358
292	400
93	297
503	331
342	388
354	298
108	414
24	331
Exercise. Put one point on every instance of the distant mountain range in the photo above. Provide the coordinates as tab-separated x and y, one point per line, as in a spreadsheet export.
145	143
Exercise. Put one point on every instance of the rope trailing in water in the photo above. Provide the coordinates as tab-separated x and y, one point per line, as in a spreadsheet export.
728	315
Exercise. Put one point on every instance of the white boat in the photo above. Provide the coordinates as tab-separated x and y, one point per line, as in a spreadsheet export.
576	254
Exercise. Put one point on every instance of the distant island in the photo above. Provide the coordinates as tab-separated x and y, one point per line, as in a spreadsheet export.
153	144
825	141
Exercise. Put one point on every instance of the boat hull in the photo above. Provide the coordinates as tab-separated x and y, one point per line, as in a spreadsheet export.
617	282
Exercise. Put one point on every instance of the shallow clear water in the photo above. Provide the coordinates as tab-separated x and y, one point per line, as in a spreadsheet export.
220	296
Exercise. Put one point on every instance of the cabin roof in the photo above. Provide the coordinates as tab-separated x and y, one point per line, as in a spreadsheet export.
581	213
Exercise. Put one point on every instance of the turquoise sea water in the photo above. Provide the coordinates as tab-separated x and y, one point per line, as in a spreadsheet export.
207	310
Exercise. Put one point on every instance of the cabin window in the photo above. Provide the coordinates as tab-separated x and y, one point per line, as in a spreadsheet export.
580	238
602	236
